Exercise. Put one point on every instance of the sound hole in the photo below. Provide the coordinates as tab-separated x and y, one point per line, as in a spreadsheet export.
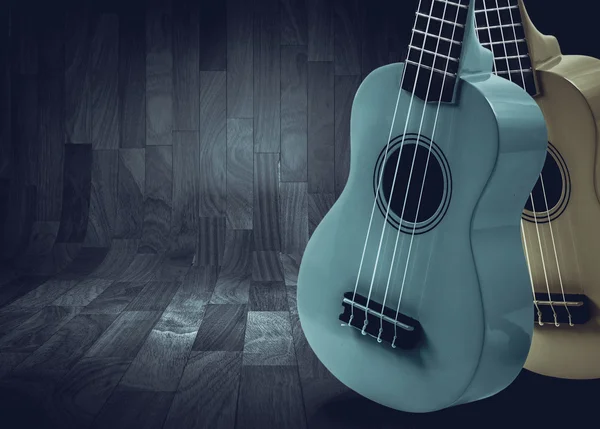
426	190
550	197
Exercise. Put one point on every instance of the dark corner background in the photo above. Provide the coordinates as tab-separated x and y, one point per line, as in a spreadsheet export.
162	165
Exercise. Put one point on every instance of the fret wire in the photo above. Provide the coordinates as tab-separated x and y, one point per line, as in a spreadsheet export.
433	53
430	68
435	18
511	57
503	42
514	71
453	4
492	27
456	42
497	9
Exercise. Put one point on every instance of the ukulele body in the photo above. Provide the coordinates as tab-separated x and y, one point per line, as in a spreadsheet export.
467	282
570	102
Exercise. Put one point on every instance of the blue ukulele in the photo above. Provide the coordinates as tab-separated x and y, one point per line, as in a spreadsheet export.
414	289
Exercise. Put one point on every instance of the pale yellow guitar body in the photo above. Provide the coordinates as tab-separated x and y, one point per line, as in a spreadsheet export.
569	96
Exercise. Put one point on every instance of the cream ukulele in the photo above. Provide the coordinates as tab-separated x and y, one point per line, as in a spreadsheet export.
561	221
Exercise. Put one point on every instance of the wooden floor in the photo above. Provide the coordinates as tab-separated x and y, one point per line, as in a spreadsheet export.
162	165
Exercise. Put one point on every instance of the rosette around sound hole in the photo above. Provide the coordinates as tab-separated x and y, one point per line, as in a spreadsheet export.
416	184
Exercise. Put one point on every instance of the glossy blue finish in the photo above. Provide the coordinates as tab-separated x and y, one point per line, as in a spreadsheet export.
467	281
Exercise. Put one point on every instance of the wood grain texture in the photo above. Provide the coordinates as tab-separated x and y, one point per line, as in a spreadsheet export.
345	89
270	396
115	298
231	288
240	173
195	290
132	79
236	272
266	202
186	186
118	259
293	216
213	143
154	297
130	193
267	296
158	199
76	193
320	30
83	293
208	392
64	349
222	328
143	268
42	237
160	362
267	64
19	287
78	74
159	73
83	262
124	338
103	198
105	82
318	206
126	409
321	143
268	340
294	22
43	295
213	34
186	63
266	266
211	241
294	113
51	147
291	265
9	320
240	53
347	37
36	330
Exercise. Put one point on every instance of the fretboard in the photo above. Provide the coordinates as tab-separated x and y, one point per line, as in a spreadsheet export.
431	65
500	29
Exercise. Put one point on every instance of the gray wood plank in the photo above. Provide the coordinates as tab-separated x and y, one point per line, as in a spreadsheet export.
9	320
125	337
103	198
267	296
208	392
83	391
36	330
42	237
158	199
266	266
266	202
291	265
76	193
222	328
132	78
51	147
42	295
156	296
320	30
125	410
105	82
186	188
143	268
240	53
294	22
237	258
119	258
240	173
83	293
318	206
231	288
294	114
78	74
347	37
19	287
130	193
186	63
321	142
213	34
115	298
213	143
345	89
160	362
211	241
83	262
267	71
270	396
268	339
195	290
159	73
293	216
64	349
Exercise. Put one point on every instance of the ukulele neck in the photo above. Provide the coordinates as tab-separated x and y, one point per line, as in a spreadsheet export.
433	59
500	29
